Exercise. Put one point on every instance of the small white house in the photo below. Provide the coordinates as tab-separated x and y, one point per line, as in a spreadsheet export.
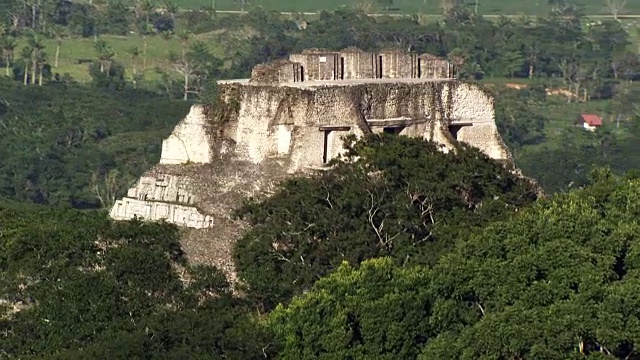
589	122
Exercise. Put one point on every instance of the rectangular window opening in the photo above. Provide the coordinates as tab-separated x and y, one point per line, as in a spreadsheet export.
455	129
325	147
393	130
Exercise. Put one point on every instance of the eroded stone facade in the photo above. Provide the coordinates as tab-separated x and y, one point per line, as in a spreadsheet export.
292	116
352	64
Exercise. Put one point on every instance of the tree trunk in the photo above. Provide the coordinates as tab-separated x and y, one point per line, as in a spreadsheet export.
530	70
40	78
55	63
34	71
26	73
186	86
6	69
33	16
144	53
41	20
135	75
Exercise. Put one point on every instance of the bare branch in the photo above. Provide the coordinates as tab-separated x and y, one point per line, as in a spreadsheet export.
481	308
281	257
615	7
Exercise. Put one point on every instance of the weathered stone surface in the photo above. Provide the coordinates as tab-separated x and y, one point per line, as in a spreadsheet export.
261	130
189	141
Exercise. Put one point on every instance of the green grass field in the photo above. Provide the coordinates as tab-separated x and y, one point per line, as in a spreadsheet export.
488	7
158	50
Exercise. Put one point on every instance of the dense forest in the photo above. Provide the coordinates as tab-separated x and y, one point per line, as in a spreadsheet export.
399	251
471	266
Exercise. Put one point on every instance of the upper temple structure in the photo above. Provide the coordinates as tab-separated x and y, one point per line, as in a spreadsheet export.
291	117
351	64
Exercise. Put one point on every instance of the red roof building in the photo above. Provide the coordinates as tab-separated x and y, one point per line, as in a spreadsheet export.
589	121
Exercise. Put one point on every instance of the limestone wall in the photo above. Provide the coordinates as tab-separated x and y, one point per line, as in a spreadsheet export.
162	197
352	63
300	127
305	125
186	216
471	105
189	141
295	122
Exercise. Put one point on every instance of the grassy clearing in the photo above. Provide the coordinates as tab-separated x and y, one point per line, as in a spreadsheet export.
493	7
563	115
633	27
158	50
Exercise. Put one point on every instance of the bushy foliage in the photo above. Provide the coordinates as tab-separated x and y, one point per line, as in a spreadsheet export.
377	311
88	288
72	144
394	196
517	122
557	281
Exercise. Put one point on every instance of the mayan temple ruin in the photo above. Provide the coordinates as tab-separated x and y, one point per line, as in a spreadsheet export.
290	117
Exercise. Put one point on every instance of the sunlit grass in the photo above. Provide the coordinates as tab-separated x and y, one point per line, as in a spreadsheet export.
74	49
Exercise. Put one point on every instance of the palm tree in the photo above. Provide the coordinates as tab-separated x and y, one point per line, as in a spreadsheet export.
41	60
171	8
59	33
184	37
8	46
135	53
147	7
147	30
105	55
36	43
26	55
167	35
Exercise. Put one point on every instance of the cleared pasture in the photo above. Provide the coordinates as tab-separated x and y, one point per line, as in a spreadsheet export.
487	7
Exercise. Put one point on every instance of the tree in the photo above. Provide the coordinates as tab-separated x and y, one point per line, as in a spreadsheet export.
8	45
106	187
196	65
562	267
59	33
377	311
167	36
27	58
38	57
146	30
121	290
615	7
242	4
135	52
517	122
147	7
559	280
172	8
400	199
105	55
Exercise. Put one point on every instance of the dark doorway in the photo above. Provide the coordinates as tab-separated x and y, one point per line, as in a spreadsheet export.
301	73
380	67
419	68
394	130
341	68
455	129
325	147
